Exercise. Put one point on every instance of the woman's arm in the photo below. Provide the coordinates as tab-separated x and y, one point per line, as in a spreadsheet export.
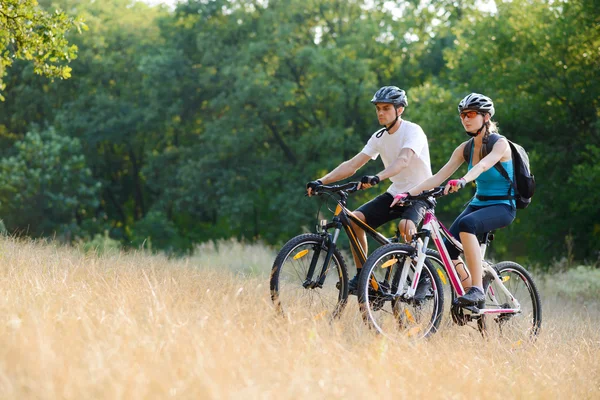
487	162
444	173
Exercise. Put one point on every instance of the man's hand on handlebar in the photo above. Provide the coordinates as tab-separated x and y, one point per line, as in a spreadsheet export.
368	181
311	186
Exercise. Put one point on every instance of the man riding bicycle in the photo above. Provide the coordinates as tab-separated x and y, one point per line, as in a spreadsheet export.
405	154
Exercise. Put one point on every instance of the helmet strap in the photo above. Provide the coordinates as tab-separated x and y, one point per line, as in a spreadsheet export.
484	125
390	126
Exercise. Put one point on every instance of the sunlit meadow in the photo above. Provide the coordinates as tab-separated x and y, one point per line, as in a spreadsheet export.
119	325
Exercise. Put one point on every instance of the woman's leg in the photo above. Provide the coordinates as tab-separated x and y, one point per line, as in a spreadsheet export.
473	257
482	220
461	269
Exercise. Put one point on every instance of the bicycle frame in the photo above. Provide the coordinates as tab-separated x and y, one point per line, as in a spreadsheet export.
341	219
436	230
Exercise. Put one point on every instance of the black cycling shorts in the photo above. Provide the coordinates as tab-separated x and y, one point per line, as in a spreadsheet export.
377	211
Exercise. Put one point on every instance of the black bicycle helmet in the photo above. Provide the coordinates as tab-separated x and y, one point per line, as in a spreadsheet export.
390	94
477	102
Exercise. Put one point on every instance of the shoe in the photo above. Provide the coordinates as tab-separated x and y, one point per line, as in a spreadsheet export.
353	284
424	289
474	297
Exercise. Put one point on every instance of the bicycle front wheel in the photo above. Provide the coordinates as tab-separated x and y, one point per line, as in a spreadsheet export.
384	303
514	327
294	290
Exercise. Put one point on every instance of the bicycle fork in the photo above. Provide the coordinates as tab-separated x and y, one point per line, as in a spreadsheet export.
409	292
328	244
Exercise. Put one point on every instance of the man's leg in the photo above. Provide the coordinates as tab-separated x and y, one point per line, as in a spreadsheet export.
407	229
412	216
374	213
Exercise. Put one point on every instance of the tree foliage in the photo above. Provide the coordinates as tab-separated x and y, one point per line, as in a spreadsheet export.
46	187
206	121
28	32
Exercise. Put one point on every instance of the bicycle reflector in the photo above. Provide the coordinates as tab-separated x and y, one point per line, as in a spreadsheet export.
301	254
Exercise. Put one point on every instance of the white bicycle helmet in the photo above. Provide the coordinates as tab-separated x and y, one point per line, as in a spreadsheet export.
477	102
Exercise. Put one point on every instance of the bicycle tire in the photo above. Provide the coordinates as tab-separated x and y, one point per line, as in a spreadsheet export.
390	313
513	327
435	259
289	272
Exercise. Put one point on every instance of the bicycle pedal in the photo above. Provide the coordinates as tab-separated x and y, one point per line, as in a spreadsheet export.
472	309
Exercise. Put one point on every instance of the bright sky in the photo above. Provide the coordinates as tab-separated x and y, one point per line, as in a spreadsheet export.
155	2
487	5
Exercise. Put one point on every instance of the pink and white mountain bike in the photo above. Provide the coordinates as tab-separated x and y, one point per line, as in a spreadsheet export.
392	302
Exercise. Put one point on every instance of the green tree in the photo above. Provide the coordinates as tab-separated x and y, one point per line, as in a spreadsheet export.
46	187
28	32
284	96
539	61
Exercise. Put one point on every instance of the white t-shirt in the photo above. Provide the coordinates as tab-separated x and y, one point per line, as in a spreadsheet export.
411	136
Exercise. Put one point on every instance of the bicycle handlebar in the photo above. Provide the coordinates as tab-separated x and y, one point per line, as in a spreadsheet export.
428	196
436	192
349	187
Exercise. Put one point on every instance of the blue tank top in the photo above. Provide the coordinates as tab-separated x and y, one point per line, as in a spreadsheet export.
492	183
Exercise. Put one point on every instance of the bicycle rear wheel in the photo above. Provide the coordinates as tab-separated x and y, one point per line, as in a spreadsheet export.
381	294
291	292
517	327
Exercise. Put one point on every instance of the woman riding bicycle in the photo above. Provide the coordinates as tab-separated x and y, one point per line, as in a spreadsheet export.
482	214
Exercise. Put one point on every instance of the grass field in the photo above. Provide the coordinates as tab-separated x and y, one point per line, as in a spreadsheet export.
135	326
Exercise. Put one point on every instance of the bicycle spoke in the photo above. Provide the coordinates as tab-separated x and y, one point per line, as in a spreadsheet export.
515	328
289	287
401	315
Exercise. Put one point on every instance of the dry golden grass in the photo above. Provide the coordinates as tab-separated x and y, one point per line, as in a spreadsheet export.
131	326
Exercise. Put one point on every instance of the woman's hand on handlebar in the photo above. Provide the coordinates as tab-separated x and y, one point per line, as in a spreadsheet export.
399	198
454	185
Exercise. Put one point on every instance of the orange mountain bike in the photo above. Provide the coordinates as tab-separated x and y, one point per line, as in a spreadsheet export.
310	274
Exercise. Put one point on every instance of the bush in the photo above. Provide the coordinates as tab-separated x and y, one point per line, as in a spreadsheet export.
100	244
581	284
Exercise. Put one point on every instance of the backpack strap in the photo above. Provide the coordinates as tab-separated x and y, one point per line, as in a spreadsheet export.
488	144
508	196
467	150
502	172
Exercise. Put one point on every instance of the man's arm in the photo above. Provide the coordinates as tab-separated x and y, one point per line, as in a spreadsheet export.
346	169
397	166
343	171
401	162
